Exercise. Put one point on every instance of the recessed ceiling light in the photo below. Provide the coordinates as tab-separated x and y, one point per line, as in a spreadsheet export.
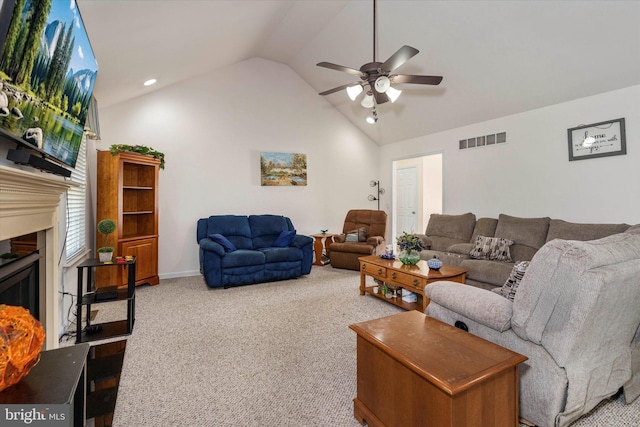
150	82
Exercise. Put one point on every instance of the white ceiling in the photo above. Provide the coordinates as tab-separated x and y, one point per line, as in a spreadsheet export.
497	57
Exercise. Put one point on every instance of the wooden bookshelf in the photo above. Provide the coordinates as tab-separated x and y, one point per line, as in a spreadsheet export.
127	192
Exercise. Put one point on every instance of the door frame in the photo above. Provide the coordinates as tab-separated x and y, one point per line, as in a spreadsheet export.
430	168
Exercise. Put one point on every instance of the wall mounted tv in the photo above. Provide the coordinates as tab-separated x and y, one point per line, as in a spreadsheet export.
47	74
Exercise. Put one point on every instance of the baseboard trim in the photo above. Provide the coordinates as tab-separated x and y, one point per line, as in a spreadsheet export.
179	274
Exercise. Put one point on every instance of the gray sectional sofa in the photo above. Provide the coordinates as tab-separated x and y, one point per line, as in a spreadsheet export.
575	316
451	238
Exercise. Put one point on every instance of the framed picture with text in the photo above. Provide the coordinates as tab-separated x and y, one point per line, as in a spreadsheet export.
597	140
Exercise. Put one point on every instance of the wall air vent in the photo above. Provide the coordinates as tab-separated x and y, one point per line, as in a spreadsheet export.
483	141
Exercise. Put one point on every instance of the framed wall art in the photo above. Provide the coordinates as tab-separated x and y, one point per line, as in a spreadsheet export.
278	169
597	140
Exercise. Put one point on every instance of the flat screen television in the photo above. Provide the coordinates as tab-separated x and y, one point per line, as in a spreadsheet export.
47	74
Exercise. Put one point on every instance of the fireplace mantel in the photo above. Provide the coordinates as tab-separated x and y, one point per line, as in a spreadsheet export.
30	202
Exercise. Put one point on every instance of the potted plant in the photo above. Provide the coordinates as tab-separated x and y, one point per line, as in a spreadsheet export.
106	227
410	246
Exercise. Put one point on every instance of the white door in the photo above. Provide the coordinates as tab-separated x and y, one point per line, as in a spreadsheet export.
407	187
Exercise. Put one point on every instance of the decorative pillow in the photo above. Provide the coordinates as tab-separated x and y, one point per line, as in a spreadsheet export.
284	239
508	290
493	248
223	241
351	237
362	234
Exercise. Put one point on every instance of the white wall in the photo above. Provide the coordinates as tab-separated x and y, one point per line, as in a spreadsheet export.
212	130
531	175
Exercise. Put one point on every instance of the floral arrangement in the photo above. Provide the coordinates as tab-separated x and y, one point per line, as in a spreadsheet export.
408	242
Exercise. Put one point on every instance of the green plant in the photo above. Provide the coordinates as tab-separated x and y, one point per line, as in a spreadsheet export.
140	149
106	227
408	242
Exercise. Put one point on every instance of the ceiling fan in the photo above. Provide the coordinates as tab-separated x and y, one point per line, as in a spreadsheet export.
377	75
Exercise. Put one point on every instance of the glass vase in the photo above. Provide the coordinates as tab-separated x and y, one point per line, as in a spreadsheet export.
409	256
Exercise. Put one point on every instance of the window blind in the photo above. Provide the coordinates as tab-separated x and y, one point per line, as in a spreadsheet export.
77	206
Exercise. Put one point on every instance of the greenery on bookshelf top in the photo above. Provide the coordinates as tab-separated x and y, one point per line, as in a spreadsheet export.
140	149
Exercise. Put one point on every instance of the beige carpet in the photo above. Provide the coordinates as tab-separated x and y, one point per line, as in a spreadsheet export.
273	354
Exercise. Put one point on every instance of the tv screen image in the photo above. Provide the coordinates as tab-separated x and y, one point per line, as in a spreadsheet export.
47	74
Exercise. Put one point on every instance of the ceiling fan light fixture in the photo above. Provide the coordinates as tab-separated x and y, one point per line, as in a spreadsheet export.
382	84
367	101
354	91
373	118
393	93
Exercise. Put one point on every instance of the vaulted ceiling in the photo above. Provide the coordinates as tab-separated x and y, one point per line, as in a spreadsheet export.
497	57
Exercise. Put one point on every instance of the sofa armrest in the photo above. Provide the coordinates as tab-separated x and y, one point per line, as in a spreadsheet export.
209	245
479	305
426	240
301	241
375	240
339	238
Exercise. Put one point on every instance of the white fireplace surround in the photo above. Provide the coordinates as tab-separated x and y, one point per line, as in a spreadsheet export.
30	202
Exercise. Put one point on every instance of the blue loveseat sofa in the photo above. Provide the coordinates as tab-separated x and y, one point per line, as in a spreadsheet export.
241	250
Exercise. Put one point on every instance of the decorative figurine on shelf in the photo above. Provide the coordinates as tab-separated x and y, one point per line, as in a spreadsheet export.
434	263
324	231
388	253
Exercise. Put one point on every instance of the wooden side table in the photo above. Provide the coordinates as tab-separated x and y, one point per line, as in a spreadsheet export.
414	370
321	244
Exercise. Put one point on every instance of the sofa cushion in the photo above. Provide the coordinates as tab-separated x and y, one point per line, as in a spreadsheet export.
447	230
485	271
484	227
508	290
242	257
528	234
265	229
559	229
461	249
280	254
285	239
223	241
472	303
492	248
352	247
234	227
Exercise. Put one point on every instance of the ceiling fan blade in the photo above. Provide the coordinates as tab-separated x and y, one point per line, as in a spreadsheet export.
340	68
401	56
338	89
380	98
423	80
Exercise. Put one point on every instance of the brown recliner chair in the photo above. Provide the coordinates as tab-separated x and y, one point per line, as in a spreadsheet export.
345	254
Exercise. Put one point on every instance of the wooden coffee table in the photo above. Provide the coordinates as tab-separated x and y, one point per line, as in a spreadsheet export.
414	370
413	278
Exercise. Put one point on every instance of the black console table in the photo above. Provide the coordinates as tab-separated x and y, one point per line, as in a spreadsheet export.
93	295
53	391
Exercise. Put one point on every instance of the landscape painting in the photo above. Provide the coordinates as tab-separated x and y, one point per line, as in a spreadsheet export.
47	75
283	169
